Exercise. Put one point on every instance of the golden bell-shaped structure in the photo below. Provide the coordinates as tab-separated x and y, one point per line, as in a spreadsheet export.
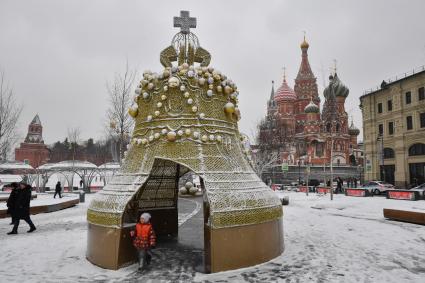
186	122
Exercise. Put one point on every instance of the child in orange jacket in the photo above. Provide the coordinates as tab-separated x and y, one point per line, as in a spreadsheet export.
144	239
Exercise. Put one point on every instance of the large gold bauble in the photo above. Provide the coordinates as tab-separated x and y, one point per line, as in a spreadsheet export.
133	112
171	136
229	108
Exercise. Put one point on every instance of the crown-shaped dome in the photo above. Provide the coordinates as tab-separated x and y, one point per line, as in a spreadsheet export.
285	92
335	88
353	130
311	108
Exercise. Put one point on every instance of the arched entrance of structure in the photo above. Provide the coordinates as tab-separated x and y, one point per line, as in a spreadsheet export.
159	195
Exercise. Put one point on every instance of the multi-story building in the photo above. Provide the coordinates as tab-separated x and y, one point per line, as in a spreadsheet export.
394	130
33	151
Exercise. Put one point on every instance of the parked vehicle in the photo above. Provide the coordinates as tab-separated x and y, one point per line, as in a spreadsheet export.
420	189
377	187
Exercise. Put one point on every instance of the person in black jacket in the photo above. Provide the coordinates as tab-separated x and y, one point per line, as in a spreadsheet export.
22	208
11	202
58	190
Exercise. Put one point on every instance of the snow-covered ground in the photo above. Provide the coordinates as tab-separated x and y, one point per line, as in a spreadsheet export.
344	240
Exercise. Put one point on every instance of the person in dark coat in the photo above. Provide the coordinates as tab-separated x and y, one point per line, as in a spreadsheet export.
58	190
22	208
11	202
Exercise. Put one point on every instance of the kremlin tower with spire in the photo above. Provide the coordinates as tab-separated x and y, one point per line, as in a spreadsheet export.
295	130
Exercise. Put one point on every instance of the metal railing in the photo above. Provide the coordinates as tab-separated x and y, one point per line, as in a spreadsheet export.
397	77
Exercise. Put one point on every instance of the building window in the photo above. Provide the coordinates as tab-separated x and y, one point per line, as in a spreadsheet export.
379	107
422	119
390	105
409	122
388	153
417	149
391	128
421	93
381	129
408	97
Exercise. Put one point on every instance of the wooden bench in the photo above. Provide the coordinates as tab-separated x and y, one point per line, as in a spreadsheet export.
415	217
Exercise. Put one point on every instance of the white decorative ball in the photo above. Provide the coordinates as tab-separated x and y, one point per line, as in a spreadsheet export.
145	95
182	88
173	82
191	74
211	137
202	115
210	80
187	132
196	135
186	94
150	138
209	93
138	141
156	136
164	131
159	105
204	138
194	109
185	65
144	141
174	69
150	86
157	113
201	81
149	118
190	101
219	138
165	88
163	97
193	190
180	132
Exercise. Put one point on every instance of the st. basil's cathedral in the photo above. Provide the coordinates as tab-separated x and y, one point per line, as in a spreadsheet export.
303	134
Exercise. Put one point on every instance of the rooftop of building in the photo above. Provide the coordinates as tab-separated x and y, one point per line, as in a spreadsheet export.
393	80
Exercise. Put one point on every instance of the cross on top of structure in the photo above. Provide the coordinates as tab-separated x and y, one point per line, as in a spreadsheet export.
184	22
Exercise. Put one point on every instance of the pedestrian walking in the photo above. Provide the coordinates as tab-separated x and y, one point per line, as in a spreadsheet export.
144	240
355	182
58	190
11	201
22	208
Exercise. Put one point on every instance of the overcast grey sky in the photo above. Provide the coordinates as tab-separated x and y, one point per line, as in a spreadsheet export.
58	55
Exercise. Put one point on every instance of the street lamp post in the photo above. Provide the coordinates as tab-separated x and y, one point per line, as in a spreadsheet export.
381	157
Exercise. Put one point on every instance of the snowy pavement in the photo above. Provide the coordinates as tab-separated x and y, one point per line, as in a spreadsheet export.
346	240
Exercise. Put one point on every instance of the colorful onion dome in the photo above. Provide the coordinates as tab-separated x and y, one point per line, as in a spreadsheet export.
353	130
304	44
311	108
284	92
335	88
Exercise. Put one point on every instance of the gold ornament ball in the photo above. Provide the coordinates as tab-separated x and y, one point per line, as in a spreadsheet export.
187	132
228	89
229	108
194	109
186	94
157	113
159	105
133	112
171	136
204	138
163	97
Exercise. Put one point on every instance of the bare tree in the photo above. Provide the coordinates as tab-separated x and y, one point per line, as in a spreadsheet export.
9	116
74	137
119	121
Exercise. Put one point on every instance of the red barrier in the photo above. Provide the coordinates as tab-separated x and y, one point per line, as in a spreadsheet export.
302	189
323	190
274	187
353	192
403	195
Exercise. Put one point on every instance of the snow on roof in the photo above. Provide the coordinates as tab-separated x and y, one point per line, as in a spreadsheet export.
14	165
68	164
110	165
36	120
9	178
